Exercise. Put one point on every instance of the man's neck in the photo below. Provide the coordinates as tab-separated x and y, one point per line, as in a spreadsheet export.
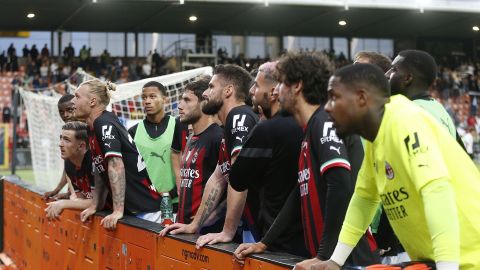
228	105
303	111
274	109
94	114
372	123
78	158
414	91
202	124
156	118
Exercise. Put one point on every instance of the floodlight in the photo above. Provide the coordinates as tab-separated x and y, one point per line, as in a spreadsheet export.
193	18
475	28
342	23
30	15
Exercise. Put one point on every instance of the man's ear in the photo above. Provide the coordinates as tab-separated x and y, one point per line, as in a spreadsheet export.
272	95
165	99
228	90
361	96
297	87
93	101
408	79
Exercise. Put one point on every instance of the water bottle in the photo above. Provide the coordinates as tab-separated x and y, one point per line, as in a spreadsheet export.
166	209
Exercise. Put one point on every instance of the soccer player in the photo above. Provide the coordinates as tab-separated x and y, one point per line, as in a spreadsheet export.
74	148
115	159
225	96
389	246
429	187
268	162
412	73
373	58
159	139
325	184
66	110
200	156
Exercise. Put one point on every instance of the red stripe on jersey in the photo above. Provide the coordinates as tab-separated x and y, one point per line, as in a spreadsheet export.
197	190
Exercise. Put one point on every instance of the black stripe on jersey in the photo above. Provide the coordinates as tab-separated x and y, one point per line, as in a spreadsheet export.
256	152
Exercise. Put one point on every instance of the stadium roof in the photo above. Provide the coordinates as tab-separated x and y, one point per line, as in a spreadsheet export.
365	18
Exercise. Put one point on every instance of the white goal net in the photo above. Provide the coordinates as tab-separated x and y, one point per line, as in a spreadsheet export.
44	122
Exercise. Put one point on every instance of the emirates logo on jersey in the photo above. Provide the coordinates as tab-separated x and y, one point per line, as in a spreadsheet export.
389	171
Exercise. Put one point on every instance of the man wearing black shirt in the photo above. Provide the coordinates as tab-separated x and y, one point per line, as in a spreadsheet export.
225	96
74	148
325	183
268	162
200	156
116	160
159	140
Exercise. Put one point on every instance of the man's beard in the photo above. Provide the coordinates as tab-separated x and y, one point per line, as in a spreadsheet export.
192	118
212	107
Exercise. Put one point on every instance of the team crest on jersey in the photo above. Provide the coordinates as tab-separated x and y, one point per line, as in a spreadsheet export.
389	171
195	156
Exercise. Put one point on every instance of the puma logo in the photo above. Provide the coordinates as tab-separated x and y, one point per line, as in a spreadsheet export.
240	138
108	144
153	154
335	148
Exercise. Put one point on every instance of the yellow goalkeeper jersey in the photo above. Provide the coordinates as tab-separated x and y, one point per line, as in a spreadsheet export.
410	151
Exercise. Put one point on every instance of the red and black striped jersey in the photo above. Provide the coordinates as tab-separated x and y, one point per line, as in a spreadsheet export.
321	150
81	177
198	162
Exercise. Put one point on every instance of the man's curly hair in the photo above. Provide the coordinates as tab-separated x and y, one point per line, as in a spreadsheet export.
313	69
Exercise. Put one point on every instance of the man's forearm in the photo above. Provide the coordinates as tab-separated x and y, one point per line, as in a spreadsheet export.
62	183
210	199
80	204
116	175
235	205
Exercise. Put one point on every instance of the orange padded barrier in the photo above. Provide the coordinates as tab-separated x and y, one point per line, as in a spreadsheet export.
34	242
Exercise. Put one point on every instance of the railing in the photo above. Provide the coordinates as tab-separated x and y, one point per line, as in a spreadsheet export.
34	242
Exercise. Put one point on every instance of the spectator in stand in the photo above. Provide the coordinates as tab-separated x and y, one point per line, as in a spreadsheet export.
105	59
34	53
3	61
83	55
11	50
45	52
7	113
25	51
156	60
68	53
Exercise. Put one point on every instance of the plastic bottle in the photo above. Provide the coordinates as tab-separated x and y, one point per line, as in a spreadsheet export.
167	209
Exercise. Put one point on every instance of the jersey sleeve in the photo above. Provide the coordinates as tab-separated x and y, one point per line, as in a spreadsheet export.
133	130
330	149
108	137
179	136
237	131
252	159
419	151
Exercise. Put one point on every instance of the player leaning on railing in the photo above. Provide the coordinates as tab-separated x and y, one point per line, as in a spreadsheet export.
115	158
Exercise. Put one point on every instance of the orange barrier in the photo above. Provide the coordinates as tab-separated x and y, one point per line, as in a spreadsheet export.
34	242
